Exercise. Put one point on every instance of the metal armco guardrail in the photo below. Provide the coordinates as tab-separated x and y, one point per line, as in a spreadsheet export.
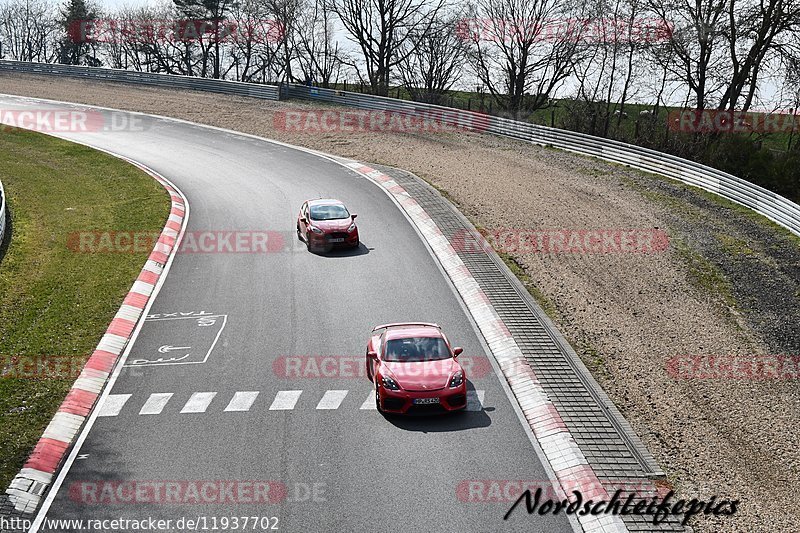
253	90
773	206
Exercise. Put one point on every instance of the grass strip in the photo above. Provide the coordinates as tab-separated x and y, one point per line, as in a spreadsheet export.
55	303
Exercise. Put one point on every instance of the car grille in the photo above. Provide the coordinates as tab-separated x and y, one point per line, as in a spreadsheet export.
393	404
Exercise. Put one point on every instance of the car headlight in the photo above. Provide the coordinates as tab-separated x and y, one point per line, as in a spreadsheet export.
316	230
389	383
457	379
352	228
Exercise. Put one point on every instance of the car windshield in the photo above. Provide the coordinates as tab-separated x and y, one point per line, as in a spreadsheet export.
329	212
416	349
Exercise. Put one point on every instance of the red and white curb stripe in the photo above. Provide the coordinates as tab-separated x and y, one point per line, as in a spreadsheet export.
566	459
28	487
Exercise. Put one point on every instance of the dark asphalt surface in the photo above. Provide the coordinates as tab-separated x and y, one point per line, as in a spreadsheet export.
370	473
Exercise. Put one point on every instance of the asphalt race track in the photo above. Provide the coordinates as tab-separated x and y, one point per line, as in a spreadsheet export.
225	324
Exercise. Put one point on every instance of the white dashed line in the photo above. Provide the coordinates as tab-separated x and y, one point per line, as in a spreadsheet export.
199	402
155	403
242	401
113	404
369	403
285	400
332	399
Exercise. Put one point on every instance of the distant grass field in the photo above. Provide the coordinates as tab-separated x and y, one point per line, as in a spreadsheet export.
54	302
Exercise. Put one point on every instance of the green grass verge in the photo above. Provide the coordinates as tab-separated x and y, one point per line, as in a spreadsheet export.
55	302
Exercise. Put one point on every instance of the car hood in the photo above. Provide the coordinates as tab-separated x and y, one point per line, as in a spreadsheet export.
422	376
340	224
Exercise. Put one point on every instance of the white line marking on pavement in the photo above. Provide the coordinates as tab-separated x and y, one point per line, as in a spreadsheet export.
242	401
113	404
332	399
369	403
475	400
155	403
285	400
166	362
199	402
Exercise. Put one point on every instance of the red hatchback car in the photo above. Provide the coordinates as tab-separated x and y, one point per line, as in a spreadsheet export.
414	369
325	224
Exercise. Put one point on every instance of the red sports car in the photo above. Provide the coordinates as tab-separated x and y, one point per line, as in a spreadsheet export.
325	224
414	369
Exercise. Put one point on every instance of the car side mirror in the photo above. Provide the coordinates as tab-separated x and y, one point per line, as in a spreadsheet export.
303	220
353	215
457	351
372	355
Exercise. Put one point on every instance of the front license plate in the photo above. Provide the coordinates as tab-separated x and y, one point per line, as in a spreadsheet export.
425	401
336	240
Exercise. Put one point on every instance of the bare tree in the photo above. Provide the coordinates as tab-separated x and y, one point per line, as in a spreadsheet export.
520	49
695	43
319	56
434	60
214	12
381	29
27	31
286	14
756	31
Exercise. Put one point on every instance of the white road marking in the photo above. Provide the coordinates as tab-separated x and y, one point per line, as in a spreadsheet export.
199	402
155	403
475	400
369	403
178	361
113	404
332	399
242	401
285	400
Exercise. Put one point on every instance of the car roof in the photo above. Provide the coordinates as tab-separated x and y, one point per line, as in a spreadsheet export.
404	332
325	201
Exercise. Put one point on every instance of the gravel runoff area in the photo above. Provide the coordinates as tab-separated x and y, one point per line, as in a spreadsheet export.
727	284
